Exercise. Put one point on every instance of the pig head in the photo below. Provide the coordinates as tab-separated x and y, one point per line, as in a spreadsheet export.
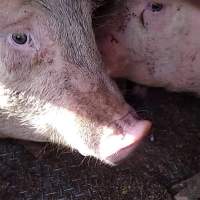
53	86
155	43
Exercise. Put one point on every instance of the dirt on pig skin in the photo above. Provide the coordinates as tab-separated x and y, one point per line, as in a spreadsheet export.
148	174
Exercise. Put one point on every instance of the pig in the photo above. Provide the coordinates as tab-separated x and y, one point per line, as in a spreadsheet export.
53	82
153	43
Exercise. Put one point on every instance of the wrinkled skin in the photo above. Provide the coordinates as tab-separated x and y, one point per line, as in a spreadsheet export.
54	87
155	43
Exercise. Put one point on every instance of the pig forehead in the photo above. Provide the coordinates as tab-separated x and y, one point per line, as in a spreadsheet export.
64	9
53	7
60	10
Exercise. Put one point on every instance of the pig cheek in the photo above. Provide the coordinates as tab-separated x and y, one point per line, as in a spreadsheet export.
83	85
15	64
78	132
45	57
114	54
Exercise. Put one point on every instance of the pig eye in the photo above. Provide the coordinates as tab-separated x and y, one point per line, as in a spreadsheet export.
20	38
156	7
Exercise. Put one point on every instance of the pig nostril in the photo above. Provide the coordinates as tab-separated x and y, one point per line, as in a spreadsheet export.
156	7
129	119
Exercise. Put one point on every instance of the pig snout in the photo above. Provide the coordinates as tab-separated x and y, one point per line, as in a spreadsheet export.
114	128
121	138
104	126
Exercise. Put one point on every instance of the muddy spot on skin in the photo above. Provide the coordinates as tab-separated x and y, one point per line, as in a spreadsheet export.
193	58
125	19
151	71
133	14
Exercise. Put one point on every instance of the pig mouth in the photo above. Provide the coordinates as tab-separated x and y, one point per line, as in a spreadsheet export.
114	148
121	155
